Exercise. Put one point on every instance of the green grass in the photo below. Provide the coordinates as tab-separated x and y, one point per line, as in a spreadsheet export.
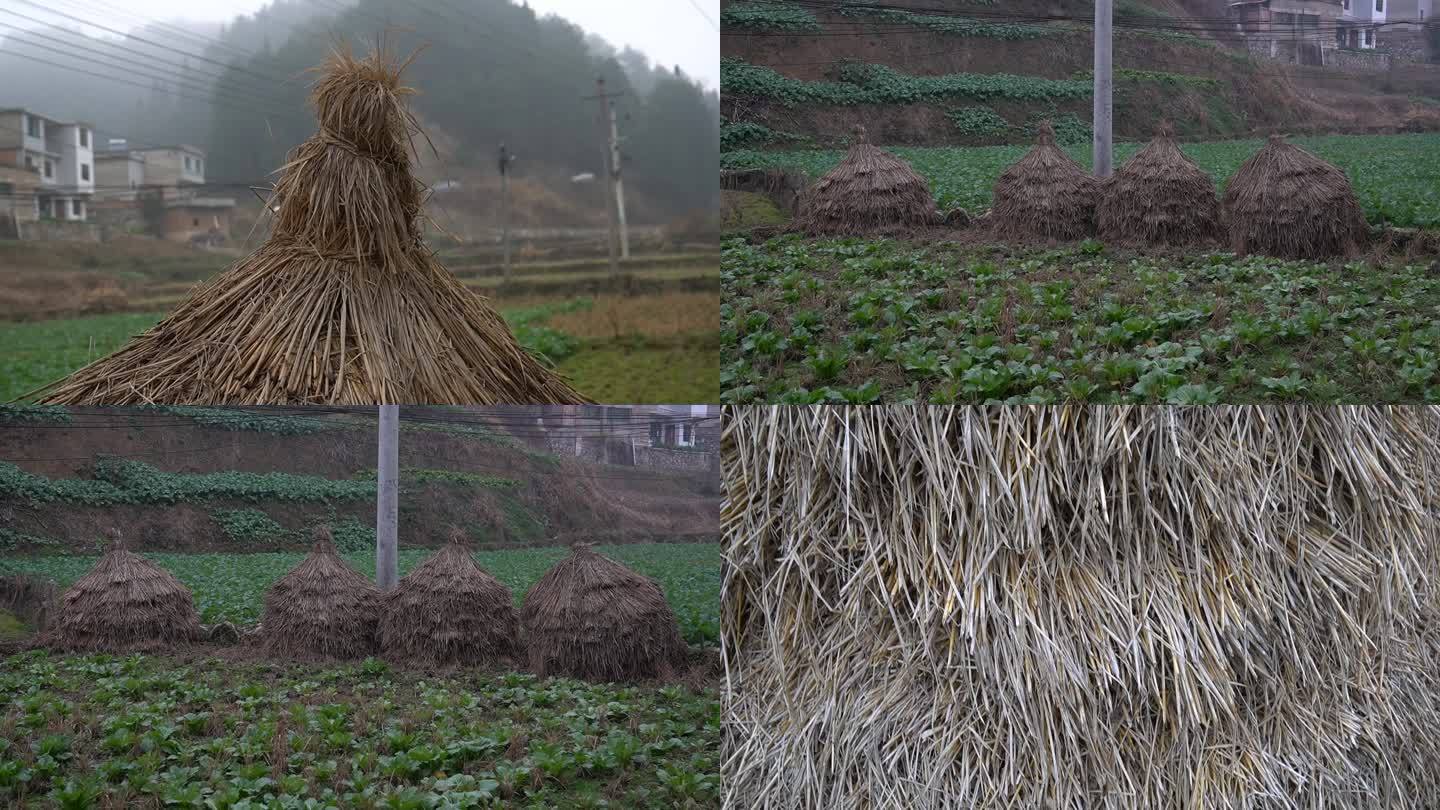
1396	177
855	321
11	627
637	371
37	353
142	731
40	352
742	210
231	587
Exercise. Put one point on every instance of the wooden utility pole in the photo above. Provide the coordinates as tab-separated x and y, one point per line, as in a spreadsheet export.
612	170
505	160
1104	84
387	499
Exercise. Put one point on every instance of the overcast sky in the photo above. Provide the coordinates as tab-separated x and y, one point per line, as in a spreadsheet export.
670	32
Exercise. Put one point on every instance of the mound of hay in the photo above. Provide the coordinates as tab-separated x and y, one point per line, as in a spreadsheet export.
449	611
1097	607
1159	198
1044	195
1287	203
591	617
322	609
124	604
344	303
870	192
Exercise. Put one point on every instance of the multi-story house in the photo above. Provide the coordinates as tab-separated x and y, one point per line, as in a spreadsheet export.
1409	29
1360	23
60	153
165	184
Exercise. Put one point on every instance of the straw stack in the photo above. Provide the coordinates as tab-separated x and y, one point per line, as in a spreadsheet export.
1098	607
322	609
870	192
344	303
591	617
1159	198
1045	195
124	604
1287	203
449	612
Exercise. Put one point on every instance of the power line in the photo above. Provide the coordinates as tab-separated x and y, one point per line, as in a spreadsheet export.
147	71
261	76
703	13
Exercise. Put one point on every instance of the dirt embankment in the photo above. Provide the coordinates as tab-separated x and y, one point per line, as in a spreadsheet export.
552	502
1251	97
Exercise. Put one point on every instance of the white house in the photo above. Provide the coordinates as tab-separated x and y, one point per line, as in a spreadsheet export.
61	153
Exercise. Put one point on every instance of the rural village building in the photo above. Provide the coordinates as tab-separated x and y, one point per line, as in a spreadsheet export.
1320	32
675	437
158	189
59	156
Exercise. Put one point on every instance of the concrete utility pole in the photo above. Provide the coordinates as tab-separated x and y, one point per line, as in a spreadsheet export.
616	164
387	499
613	205
505	160
1104	34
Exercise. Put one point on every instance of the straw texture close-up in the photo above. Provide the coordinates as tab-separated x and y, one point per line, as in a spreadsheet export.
1159	198
1100	607
344	303
124	604
449	612
1044	195
322	609
1288	203
591	617
870	192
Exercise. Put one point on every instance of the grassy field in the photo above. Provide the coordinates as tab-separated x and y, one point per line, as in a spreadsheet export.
857	321
231	587
651	348
138	731
1396	177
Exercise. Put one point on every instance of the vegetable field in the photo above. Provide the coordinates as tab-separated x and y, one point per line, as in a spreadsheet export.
105	731
1396	177
230	587
885	321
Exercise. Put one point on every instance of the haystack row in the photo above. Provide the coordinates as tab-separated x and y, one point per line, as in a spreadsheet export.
588	617
1099	607
1282	202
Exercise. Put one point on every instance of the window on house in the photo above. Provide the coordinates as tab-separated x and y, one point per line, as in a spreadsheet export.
49	169
77	208
84	171
1369	36
32	126
84	137
30	163
1346	5
1379	5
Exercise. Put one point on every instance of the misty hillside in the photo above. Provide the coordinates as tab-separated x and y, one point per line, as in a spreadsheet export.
485	73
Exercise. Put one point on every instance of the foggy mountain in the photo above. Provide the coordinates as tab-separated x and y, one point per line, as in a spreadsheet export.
490	72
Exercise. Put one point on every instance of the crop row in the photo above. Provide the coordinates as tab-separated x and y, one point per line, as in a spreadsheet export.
851	321
104	731
861	83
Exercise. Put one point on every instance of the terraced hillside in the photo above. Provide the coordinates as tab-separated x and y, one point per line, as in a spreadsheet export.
795	72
